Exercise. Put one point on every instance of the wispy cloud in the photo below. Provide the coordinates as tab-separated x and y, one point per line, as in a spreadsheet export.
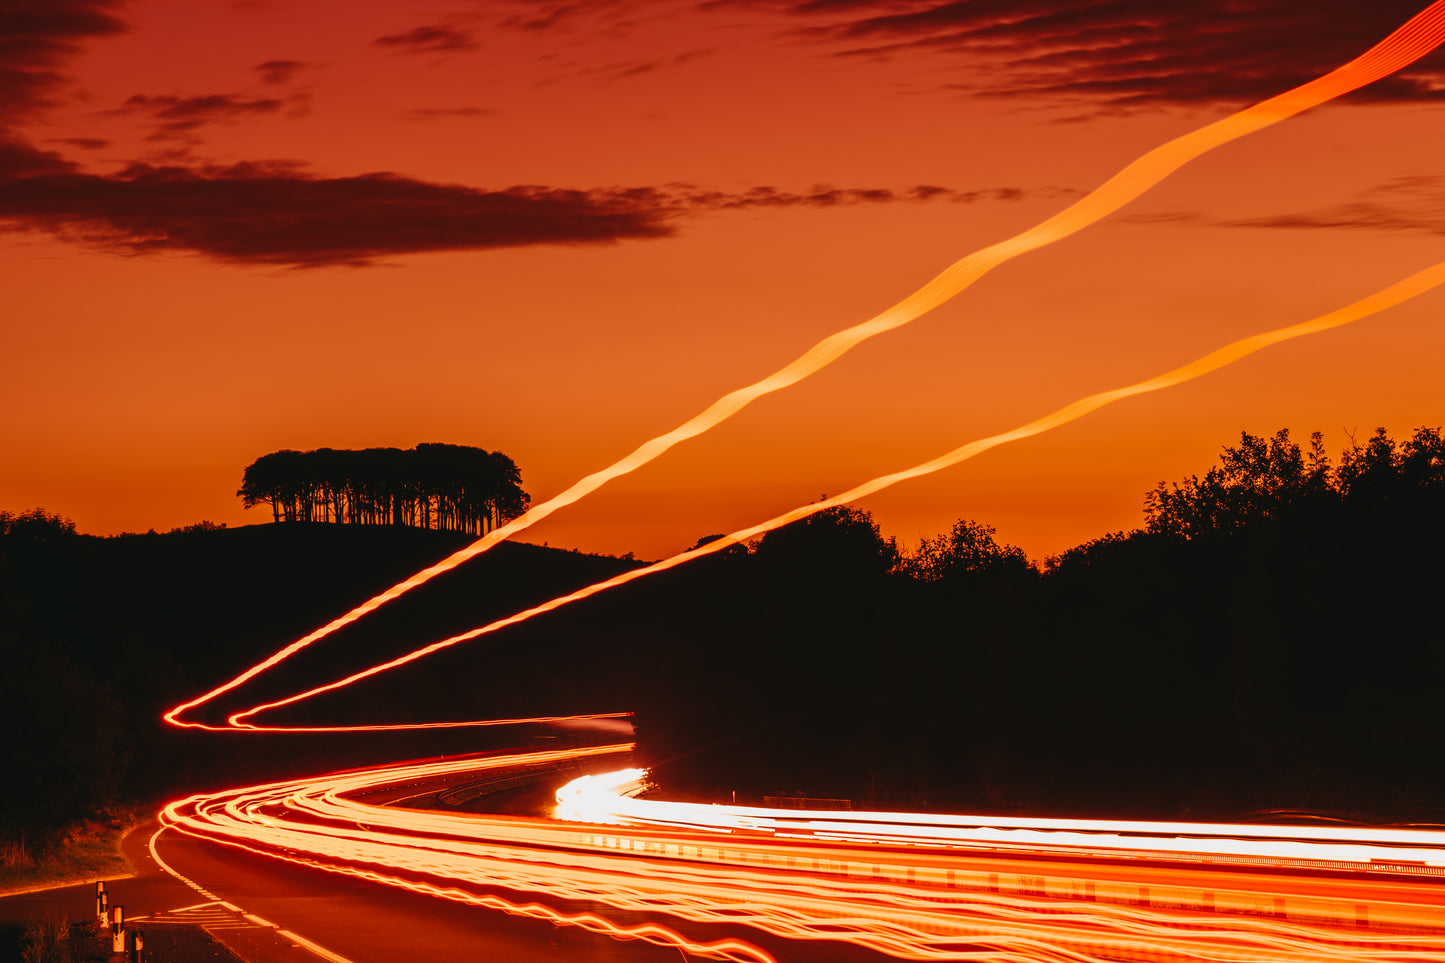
280	72
1127	53
432	38
180	117
440	113
1415	204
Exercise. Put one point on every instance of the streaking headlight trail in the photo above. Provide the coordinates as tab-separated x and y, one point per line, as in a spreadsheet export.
607	798
1396	293
1417	37
921	900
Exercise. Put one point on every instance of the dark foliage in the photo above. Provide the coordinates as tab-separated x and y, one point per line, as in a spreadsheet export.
1270	641
36	525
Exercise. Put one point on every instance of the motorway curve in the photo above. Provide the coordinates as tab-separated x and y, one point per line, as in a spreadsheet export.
752	886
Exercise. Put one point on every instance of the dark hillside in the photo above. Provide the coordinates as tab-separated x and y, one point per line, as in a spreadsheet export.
101	635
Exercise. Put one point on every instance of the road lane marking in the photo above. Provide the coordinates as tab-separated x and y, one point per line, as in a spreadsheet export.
322	952
300	941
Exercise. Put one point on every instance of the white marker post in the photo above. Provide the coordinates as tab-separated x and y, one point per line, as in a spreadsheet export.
140	947
100	903
117	930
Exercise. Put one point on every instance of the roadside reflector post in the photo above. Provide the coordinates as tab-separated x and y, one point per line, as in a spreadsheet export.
100	903
117	930
140	947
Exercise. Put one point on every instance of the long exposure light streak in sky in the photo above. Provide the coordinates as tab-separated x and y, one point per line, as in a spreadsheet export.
913	902
1403	290
1417	37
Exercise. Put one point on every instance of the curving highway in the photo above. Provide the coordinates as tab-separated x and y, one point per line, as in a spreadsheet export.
795	885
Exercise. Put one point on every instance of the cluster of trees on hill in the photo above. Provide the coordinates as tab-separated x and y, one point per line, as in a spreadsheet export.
446	487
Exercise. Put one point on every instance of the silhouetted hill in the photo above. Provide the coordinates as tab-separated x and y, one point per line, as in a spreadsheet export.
101	635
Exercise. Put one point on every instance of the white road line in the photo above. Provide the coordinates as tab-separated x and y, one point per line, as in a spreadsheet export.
301	941
197	906
325	954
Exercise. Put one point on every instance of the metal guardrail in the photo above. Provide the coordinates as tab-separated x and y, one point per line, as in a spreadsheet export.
805	802
460	796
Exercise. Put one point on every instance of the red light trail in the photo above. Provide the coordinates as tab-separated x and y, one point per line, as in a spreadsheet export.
1412	40
933	899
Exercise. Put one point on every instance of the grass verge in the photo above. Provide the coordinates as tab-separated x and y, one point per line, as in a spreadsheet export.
83	850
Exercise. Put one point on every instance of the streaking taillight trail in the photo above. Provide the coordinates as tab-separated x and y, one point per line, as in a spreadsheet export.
908	893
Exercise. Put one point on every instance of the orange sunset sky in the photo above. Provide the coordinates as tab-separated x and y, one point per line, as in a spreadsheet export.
557	229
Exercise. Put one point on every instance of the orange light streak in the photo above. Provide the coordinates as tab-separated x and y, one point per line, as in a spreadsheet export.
793	888
1396	293
402	726
1418	36
606	798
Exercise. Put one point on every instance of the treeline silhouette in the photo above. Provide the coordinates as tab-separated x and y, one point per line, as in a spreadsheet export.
454	488
36	525
1269	638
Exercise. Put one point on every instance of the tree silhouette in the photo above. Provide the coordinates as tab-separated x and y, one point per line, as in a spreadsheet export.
1264	480
447	487
1381	470
36	525
841	541
969	548
1252	483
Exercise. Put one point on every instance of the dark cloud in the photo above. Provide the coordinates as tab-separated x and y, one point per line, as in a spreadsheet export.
36	38
435	38
1130	53
19	160
179	117
280	214
280	71
1415	204
265	214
